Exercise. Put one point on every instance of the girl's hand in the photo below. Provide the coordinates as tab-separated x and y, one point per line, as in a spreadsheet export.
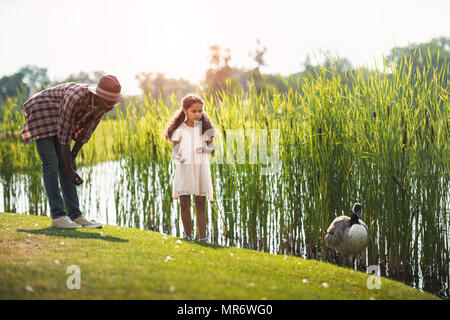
208	149
176	154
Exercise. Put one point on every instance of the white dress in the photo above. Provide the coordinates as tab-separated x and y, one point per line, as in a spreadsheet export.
194	175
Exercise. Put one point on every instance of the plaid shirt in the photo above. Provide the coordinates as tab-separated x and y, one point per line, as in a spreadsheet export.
66	110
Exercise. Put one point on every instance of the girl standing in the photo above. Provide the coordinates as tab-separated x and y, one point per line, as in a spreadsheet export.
191	132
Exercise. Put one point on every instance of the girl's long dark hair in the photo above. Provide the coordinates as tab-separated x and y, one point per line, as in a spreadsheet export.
179	117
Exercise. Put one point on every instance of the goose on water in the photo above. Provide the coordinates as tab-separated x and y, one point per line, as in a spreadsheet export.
348	235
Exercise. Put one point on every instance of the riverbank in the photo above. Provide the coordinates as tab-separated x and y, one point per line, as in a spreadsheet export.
40	262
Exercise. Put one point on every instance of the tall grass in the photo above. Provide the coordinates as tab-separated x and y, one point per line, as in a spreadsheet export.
380	138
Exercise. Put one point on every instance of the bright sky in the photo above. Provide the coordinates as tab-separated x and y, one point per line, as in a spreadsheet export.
172	36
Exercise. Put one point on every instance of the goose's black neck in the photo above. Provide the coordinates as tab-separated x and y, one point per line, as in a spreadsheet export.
354	219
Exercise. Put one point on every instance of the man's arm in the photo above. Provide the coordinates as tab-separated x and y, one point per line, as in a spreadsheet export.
70	171
75	150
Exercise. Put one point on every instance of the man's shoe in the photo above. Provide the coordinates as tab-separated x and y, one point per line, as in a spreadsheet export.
85	223
64	222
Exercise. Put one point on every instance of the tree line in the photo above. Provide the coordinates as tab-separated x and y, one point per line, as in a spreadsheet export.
222	76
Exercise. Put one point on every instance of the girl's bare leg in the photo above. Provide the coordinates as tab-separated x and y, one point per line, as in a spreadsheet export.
200	208
185	204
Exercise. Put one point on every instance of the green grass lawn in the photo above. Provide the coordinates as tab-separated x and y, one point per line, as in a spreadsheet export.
125	263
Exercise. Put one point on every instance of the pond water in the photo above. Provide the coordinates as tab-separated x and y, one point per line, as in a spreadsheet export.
115	195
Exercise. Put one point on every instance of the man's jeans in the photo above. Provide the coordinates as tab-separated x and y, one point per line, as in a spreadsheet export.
49	150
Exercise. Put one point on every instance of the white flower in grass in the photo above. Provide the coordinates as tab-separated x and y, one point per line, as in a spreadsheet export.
172	289
62	242
325	285
305	281
372	298
29	288
178	242
56	261
168	258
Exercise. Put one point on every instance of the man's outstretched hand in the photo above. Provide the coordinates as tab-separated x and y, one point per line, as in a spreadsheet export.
69	165
73	176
